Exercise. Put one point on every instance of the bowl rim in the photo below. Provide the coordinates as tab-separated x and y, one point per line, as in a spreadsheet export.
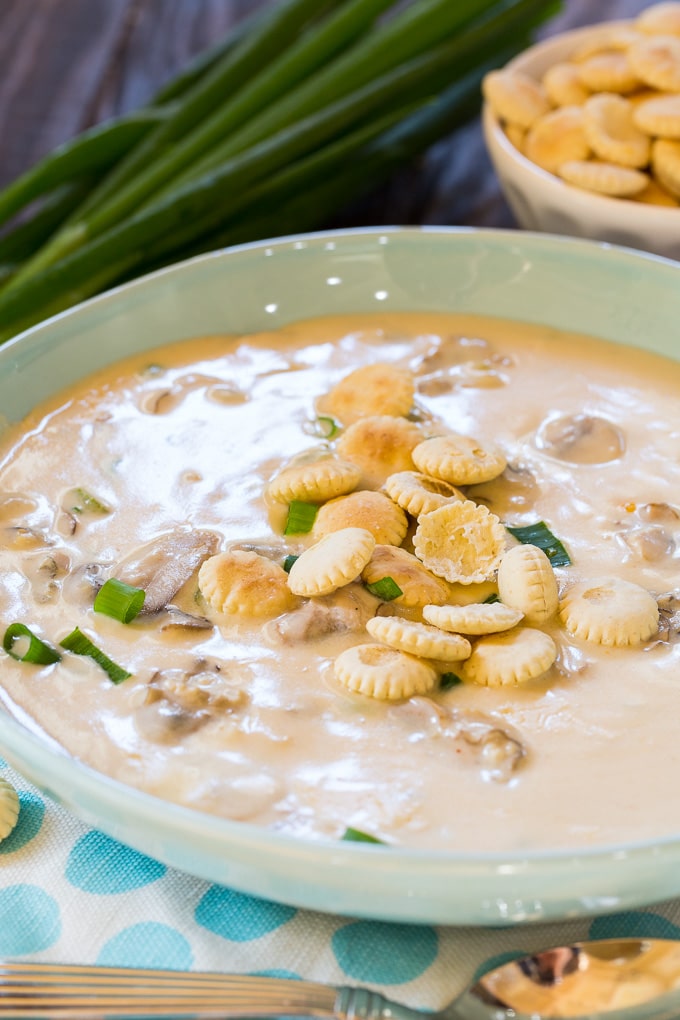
167	816
655	215
507	234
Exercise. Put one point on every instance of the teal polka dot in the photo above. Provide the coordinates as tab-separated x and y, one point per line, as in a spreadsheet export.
148	944
98	864
29	920
290	975
495	961
384	954
3	764
240	918
31	815
634	924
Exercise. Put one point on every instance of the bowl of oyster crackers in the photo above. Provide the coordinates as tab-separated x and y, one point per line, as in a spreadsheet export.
583	130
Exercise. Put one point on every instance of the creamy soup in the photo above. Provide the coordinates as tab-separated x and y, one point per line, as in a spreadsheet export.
149	470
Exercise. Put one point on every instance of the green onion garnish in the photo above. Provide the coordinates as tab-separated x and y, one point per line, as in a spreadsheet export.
79	644
490	599
37	652
301	517
325	427
386	589
539	534
448	680
351	835
87	502
289	561
119	600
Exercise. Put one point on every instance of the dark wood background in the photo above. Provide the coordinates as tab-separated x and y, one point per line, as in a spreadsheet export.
66	64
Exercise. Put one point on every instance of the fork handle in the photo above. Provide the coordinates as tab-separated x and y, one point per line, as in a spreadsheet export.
362	1004
72	992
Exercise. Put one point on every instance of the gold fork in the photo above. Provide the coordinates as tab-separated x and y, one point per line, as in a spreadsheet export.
79	991
624	979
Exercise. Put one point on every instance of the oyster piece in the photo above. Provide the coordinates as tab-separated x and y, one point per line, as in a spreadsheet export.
477	740
345	611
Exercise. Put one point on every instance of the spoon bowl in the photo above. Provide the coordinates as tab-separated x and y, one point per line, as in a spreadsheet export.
626	979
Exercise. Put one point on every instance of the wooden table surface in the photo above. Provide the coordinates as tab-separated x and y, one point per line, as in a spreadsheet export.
67	64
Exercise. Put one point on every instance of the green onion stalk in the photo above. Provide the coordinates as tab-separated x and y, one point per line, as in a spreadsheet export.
304	196
312	51
418	31
539	534
338	128
35	650
105	144
119	600
21	242
200	65
386	588
239	65
91	152
301	517
415	31
80	644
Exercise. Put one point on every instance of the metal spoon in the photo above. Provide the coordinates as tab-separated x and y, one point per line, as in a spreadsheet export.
624	979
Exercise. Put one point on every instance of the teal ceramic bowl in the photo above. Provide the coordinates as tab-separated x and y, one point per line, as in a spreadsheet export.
577	285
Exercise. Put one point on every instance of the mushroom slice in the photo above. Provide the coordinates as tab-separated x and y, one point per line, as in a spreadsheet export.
163	566
165	722
82	584
658	513
15	507
175	618
581	439
45	573
271	550
22	536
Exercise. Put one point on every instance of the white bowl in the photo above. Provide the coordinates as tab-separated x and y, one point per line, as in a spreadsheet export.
619	295
542	201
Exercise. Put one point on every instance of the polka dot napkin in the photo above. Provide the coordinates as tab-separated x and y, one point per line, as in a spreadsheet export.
69	893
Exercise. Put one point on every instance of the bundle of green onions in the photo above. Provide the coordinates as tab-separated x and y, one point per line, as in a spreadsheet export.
305	104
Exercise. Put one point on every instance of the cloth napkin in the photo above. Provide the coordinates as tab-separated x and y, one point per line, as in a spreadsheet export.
69	893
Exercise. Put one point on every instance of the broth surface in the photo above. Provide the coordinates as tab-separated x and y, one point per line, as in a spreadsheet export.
165	458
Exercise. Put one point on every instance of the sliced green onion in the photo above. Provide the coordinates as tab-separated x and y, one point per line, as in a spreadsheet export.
119	600
38	651
301	517
540	535
490	599
288	562
79	644
449	680
325	427
86	501
386	589
351	835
